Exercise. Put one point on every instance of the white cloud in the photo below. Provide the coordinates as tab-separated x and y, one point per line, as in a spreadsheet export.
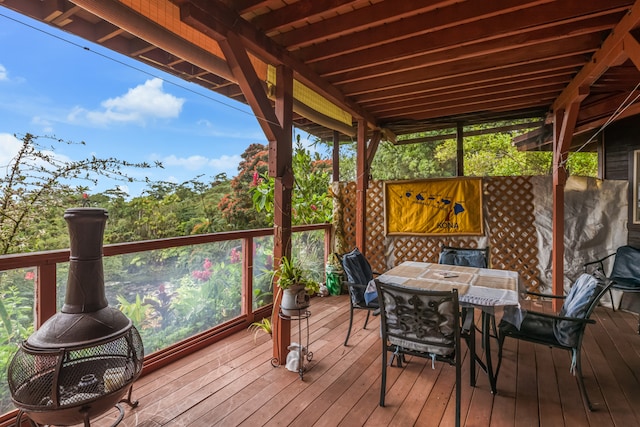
9	146
142	103
222	164
4	74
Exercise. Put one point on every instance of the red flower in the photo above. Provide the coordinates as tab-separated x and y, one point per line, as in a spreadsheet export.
30	275
235	256
314	208
201	275
255	178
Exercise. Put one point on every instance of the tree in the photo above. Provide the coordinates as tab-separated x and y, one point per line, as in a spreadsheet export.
38	186
311	202
484	155
237	207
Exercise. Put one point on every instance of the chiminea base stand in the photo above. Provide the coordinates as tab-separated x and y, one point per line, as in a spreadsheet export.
87	422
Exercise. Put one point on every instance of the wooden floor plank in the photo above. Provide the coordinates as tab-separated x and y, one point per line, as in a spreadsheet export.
232	383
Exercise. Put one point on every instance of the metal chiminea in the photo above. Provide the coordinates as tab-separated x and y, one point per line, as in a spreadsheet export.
84	359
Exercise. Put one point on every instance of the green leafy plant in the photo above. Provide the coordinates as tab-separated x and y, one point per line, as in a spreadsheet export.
290	273
262	326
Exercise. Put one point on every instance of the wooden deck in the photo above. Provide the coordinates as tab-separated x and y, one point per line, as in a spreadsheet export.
233	383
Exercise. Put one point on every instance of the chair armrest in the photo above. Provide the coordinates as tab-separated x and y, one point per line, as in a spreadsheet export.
355	285
598	261
538	294
571	319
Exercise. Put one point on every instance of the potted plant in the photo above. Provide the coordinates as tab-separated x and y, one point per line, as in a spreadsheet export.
296	286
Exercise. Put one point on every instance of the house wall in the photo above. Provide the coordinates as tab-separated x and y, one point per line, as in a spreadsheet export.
620	140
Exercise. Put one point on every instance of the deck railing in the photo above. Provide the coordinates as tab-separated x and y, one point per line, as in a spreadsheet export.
142	274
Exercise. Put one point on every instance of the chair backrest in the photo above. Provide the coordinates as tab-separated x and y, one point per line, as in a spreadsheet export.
579	303
419	320
626	266
358	270
464	256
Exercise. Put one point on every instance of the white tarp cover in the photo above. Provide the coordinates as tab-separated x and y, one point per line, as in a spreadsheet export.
595	224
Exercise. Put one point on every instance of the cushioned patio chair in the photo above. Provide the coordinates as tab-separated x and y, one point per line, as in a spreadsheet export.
471	257
625	273
420	323
564	330
359	274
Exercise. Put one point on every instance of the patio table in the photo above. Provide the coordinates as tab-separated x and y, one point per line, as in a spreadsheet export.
487	289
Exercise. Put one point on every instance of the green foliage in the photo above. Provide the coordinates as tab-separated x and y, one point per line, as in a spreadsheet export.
136	311
311	202
484	155
290	273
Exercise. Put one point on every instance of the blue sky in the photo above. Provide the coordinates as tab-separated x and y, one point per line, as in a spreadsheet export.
51	85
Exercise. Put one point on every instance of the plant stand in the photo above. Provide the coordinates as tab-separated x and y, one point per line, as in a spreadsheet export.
302	315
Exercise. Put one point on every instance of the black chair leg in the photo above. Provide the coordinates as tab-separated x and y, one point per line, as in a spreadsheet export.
383	386
500	343
366	320
350	324
583	389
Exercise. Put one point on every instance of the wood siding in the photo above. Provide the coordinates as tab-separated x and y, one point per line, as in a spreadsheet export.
621	139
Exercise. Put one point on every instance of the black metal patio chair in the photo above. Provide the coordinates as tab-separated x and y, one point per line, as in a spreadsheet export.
625	273
359	274
564	330
421	323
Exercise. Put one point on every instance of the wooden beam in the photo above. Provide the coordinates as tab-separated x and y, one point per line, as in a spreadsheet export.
256	96
631	48
121	16
372	148
609	54
216	20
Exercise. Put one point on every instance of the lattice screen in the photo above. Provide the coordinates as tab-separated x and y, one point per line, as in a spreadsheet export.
509	229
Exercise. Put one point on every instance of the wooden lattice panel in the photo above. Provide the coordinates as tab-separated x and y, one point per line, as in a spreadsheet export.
375	227
509	208
344	214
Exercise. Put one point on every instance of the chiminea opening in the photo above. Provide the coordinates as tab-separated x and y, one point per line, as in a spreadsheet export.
83	360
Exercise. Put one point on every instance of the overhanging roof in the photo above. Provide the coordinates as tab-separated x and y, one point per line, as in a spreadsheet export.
401	66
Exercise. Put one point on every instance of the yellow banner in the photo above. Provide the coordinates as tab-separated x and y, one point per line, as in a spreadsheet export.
440	206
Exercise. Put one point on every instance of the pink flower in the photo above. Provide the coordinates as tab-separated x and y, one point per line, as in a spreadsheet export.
206	264
255	178
30	275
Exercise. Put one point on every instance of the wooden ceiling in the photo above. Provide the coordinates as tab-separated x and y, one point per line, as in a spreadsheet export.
401	66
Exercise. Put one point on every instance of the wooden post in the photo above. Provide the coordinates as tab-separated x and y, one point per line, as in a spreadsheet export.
336	156
459	149
282	155
559	180
564	123
362	182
